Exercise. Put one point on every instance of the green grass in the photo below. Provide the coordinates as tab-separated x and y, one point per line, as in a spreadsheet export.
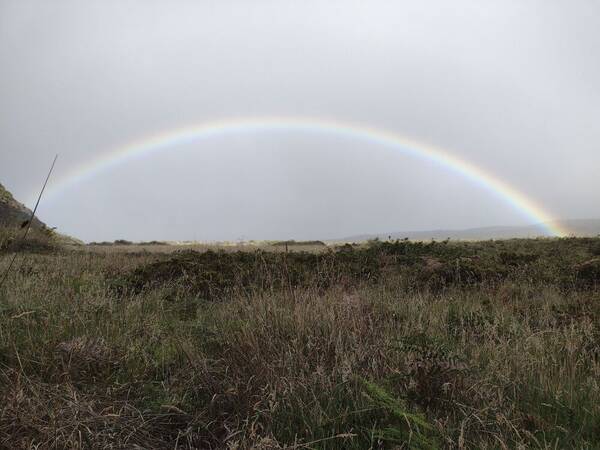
392	345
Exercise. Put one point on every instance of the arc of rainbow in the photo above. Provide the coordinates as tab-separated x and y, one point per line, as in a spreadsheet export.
173	138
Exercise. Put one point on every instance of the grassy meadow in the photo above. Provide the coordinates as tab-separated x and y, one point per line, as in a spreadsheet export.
467	345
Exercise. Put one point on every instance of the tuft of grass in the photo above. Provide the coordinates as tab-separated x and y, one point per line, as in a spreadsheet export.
411	429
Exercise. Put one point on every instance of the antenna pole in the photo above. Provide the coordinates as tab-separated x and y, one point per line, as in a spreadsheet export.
12	261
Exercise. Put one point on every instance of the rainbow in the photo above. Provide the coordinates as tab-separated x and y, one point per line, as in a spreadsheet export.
173	138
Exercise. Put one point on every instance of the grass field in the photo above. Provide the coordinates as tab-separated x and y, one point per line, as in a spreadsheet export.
401	344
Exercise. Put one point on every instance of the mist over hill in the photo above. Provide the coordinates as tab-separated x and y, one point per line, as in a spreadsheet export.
578	227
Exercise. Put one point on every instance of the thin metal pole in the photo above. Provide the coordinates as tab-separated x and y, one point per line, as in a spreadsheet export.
12	261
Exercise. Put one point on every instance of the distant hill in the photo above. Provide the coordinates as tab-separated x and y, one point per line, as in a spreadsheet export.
580	227
13	213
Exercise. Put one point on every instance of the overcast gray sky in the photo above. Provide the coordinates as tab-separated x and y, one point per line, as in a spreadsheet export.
511	86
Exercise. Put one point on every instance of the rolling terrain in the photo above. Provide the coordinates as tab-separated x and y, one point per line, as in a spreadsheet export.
382	345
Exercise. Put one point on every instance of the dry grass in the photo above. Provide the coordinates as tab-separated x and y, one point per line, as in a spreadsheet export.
482	345
121	246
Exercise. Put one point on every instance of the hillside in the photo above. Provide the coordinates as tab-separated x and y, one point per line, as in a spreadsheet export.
13	213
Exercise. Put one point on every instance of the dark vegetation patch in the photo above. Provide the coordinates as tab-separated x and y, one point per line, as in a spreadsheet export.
435	266
293	243
125	242
588	273
115	242
213	275
152	243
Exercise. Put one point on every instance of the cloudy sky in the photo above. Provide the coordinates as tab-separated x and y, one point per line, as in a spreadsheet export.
512	87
